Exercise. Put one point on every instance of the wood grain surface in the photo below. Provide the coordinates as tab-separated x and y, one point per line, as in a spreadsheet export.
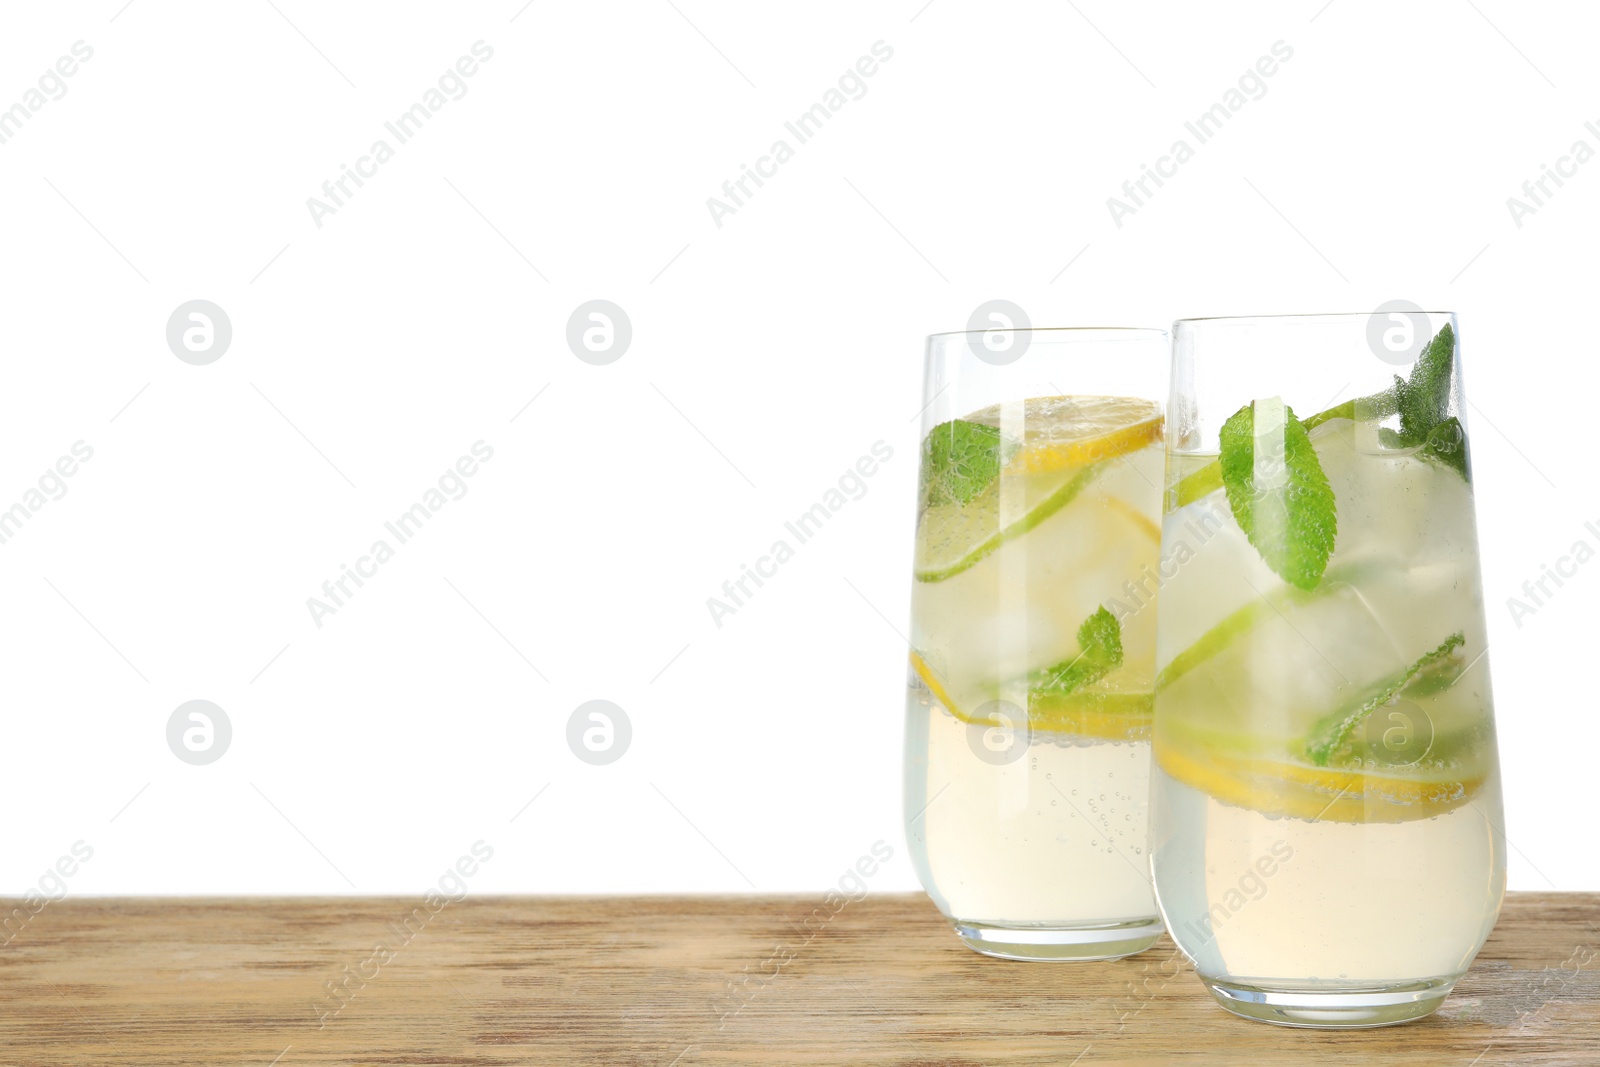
696	980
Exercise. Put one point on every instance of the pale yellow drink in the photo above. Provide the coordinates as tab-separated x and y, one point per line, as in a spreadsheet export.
1028	706
1326	789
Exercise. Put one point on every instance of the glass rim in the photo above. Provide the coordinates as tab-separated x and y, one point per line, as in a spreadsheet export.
1302	316
1055	330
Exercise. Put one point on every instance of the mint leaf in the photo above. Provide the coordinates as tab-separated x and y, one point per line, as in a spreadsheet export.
1423	402
1434	671
1424	399
1099	653
1281	499
1447	446
960	459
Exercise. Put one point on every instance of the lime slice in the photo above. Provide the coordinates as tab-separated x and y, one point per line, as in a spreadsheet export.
1099	712
989	626
1278	604
951	538
1058	445
1268	710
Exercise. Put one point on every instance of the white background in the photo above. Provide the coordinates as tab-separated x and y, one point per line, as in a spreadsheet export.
768	354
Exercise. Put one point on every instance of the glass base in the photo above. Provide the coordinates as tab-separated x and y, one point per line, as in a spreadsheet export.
1048	941
1331	1006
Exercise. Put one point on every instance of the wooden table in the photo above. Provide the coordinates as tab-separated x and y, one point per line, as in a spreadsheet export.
694	980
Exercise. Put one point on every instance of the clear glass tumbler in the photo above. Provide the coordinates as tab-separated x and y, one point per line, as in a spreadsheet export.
1326	797
1029	694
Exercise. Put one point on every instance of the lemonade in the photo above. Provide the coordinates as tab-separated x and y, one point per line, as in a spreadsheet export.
1326	796
1032	666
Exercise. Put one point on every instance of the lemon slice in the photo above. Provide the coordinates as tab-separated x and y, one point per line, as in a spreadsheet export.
1282	787
1099	711
1062	443
1060	432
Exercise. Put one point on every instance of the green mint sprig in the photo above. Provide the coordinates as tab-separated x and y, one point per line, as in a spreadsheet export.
1422	401
1435	670
1099	653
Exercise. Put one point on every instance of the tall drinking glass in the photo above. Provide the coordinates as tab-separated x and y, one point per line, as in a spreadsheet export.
1326	794
1029	694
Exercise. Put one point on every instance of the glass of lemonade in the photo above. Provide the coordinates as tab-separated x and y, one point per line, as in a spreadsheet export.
1029	693
1326	817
